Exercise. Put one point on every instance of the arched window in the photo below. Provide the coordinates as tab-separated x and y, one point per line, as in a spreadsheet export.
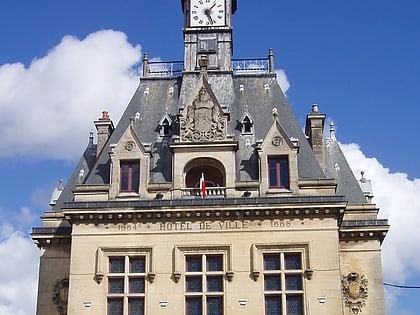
211	170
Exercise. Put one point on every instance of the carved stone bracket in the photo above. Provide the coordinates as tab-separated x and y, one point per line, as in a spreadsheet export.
355	291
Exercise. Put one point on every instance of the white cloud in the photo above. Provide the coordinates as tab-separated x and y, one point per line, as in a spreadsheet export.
19	259
48	108
398	198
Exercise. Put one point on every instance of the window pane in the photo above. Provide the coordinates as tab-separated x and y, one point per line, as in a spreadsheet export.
215	263
293	282
136	285
194	263
292	262
115	307
135	306
116	265
194	284
284	172
124	177
137	265
271	262
215	306
215	284
273	305
194	306
116	285
273	175
135	177
294	305
272	283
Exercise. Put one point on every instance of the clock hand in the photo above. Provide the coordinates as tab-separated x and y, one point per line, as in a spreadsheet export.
207	13
209	17
211	8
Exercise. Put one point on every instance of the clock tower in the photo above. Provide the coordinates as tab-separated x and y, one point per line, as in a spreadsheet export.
208	34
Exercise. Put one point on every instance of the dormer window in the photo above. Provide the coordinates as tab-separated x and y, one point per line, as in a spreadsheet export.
278	172
165	125
247	123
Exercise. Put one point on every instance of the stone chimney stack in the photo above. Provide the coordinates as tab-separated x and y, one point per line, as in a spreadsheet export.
314	131
105	127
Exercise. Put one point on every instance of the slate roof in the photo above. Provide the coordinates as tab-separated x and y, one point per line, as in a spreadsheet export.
156	97
337	167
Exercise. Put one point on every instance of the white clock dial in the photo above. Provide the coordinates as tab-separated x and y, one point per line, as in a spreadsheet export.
207	13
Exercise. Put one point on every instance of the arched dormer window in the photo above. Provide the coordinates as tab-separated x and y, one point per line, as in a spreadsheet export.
165	125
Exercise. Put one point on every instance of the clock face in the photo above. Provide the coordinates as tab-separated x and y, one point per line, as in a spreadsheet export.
207	13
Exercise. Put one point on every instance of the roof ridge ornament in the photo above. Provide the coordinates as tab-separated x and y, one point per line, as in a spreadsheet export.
332	131
275	113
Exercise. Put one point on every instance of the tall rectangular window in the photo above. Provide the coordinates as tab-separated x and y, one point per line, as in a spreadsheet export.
283	283
278	172
126	285
204	284
129	176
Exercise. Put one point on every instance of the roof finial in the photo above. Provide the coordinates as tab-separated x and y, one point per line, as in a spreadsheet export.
81	175
332	131
363	179
275	113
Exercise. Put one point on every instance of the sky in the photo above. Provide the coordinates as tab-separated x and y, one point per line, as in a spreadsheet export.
63	62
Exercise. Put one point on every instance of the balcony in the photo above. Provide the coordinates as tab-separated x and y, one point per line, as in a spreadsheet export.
211	193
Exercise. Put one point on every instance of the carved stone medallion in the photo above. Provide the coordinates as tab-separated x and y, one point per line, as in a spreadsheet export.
277	141
129	146
355	291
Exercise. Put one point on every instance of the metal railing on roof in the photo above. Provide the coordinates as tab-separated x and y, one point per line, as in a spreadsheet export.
165	69
250	66
169	69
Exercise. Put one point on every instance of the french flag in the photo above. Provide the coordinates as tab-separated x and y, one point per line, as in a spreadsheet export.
202	186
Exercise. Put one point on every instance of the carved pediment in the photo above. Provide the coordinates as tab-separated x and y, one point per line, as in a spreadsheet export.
130	144
277	139
203	119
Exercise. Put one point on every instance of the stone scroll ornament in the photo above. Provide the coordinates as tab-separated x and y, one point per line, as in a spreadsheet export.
60	295
203	120
355	291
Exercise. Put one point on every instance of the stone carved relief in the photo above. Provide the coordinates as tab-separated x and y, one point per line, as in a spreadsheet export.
277	141
129	146
60	295
203	120
355	291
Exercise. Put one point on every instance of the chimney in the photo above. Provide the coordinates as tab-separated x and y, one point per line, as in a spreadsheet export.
314	131
105	127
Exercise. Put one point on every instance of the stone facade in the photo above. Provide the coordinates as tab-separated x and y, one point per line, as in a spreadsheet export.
207	198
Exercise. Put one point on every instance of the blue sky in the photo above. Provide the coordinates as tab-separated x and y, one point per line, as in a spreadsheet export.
63	62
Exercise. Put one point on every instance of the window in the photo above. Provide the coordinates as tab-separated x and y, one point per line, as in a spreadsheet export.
247	125
283	283
278	172
204	284
126	285
129	176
